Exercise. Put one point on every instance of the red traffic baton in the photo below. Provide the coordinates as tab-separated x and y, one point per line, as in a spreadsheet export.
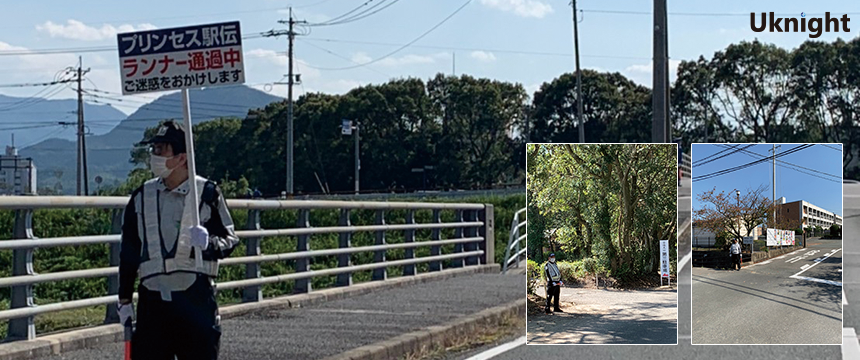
127	332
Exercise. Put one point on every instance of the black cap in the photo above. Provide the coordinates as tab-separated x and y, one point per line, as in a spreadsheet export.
171	133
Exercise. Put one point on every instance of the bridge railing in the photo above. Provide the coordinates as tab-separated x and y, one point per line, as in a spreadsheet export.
515	240
473	244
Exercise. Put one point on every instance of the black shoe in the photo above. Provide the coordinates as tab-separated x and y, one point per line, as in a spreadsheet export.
558	310
548	312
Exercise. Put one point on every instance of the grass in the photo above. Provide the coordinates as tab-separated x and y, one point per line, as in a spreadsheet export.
508	326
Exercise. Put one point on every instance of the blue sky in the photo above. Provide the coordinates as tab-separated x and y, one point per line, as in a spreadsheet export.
791	184
523	41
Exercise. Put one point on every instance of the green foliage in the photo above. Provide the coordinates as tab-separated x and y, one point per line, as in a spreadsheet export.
757	92
607	204
533	275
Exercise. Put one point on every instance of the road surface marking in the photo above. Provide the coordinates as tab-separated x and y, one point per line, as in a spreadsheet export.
837	283
684	261
808	266
850	346
844	301
501	349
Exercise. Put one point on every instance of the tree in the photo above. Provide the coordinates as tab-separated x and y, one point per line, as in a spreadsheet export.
614	109
723	212
835	231
613	202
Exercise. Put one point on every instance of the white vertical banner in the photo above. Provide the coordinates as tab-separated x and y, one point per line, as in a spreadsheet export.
664	258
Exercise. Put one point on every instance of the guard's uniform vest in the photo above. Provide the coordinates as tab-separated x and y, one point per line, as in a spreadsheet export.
554	274
155	258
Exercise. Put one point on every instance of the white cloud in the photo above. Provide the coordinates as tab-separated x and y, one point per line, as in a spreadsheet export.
483	56
392	61
270	56
76	30
523	8
641	73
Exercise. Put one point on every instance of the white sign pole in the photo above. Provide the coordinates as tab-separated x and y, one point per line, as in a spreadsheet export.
192	172
664	262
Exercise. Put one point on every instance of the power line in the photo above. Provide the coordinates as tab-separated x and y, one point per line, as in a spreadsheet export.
78	50
720	157
458	48
831	147
405	45
37	84
366	13
741	167
341	16
342	57
632	12
790	166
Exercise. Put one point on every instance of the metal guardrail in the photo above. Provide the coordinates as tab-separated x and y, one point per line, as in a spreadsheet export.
514	242
473	245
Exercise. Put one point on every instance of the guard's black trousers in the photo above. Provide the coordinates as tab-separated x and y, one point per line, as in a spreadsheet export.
186	327
736	261
552	292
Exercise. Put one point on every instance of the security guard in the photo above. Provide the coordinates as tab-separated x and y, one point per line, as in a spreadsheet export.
553	284
177	313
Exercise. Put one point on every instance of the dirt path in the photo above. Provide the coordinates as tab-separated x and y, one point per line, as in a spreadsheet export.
608	316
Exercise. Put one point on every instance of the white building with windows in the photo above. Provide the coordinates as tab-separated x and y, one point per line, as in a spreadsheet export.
807	214
17	174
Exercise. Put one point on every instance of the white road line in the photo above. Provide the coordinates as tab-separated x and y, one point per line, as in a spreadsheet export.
501	349
837	283
808	266
850	346
844	301
684	261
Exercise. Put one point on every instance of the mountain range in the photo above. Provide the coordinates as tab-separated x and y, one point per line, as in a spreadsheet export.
108	153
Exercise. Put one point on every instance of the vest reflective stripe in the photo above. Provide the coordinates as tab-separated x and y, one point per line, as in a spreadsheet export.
554	274
158	263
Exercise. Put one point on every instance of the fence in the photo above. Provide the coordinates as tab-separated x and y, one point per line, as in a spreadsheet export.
472	245
514	242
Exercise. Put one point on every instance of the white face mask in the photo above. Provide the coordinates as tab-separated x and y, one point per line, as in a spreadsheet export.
158	166
552	260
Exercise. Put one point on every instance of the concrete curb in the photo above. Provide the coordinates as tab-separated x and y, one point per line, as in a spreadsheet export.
91	337
432	336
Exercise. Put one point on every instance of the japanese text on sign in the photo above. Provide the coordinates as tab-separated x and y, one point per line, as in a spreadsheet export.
181	58
664	258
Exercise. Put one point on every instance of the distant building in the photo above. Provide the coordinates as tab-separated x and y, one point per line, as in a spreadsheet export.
807	214
705	238
17	174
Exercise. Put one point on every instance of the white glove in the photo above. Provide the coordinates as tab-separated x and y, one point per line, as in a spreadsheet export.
126	313
199	237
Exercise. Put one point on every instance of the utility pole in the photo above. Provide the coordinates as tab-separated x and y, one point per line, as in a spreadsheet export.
82	140
578	76
660	122
291	35
357	161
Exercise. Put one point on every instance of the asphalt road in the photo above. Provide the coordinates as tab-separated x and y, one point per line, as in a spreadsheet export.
334	327
765	304
685	350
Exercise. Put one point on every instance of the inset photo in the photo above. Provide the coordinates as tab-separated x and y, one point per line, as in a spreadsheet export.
602	243
767	244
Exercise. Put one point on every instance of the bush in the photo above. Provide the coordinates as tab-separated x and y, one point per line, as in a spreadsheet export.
532	275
